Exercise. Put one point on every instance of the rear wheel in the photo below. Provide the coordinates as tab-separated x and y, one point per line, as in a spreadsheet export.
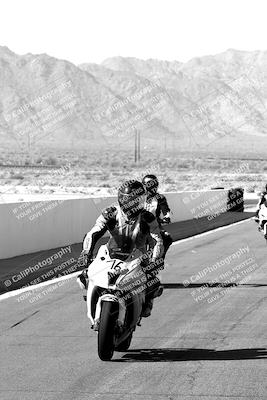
106	331
125	344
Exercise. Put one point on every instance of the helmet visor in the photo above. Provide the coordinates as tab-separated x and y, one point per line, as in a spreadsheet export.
132	204
151	185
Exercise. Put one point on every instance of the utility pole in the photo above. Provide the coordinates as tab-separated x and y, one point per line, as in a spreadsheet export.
135	146
29	147
137	152
138	137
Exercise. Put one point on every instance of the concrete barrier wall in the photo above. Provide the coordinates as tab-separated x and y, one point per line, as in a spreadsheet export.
42	225
188	205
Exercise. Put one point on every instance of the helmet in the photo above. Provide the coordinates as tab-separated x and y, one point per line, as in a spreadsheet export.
131	198
151	183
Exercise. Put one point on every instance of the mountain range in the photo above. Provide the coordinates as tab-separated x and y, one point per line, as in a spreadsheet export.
212	99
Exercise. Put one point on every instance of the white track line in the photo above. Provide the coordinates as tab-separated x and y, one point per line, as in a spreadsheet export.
73	275
38	286
210	232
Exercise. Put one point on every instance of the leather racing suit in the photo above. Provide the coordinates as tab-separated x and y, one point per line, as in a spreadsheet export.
263	218
157	205
125	235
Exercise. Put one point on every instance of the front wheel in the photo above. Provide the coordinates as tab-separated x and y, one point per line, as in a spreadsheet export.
106	330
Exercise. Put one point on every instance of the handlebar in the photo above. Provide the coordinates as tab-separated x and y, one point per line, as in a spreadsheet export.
163	221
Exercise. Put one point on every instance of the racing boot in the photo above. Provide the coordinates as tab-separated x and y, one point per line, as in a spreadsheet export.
82	279
146	311
154	291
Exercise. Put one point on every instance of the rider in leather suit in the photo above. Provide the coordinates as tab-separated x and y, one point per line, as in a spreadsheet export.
129	226
157	204
263	216
261	201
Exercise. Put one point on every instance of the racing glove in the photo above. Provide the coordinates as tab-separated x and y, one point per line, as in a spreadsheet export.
166	220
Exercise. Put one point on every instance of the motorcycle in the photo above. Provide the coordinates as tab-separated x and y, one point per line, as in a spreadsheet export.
115	299
261	229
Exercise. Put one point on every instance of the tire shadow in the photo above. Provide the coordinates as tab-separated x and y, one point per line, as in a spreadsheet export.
191	354
210	284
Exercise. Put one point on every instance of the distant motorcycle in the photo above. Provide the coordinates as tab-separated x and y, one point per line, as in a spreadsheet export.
115	298
261	229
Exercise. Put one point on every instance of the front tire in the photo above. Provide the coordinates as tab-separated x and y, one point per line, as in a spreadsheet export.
106	331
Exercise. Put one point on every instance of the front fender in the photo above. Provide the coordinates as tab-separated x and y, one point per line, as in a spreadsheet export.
114	299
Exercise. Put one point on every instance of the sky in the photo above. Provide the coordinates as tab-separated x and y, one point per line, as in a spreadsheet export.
93	30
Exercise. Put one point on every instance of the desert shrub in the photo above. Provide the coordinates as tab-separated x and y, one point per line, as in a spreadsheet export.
104	185
170	188
115	163
104	177
142	164
132	165
88	175
183	165
251	188
17	176
214	166
168	180
75	162
51	161
243	178
185	178
251	178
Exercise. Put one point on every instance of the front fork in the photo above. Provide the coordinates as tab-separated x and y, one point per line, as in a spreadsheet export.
105	297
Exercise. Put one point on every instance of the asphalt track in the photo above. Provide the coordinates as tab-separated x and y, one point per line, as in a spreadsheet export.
194	346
